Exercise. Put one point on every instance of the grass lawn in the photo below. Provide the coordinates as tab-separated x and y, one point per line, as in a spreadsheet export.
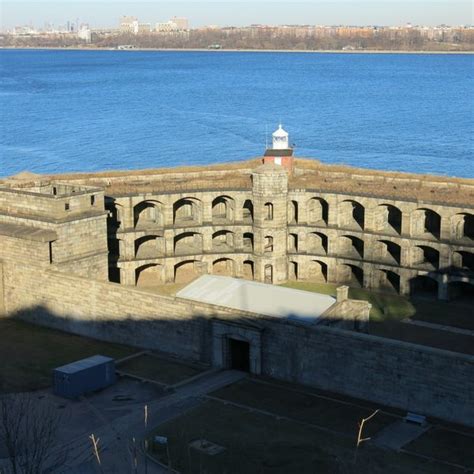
389	310
158	369
384	305
446	446
447	313
29	353
303	406
258	443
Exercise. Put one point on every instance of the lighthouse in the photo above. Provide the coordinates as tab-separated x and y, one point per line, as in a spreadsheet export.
280	153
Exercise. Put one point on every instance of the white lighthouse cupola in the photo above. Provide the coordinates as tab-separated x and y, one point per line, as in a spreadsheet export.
280	153
280	139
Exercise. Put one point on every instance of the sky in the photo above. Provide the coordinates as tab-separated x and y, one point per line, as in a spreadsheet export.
227	12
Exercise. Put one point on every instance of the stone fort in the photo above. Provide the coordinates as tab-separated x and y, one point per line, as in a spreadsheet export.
84	252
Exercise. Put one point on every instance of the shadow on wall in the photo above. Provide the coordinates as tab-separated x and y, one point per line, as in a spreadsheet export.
191	338
301	354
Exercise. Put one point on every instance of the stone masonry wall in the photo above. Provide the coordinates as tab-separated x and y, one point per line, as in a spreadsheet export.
413	378
429	381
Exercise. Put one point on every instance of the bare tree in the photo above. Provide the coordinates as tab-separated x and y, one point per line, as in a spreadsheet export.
29	426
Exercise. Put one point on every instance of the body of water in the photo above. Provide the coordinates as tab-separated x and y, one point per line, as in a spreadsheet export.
64	111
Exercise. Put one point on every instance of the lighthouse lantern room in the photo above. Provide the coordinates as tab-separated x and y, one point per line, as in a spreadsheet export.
280	153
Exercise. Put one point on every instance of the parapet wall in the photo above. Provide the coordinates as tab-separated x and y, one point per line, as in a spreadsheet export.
410	377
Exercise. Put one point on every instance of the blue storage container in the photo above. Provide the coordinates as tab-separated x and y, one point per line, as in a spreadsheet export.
86	375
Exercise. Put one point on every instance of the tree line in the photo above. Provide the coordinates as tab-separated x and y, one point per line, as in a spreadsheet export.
253	38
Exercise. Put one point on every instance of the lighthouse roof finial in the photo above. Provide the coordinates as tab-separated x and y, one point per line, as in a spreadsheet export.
280	132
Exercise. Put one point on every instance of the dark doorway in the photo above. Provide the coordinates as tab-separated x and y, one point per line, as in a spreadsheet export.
239	355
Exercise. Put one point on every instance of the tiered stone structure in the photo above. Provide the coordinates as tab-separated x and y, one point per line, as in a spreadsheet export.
77	250
269	222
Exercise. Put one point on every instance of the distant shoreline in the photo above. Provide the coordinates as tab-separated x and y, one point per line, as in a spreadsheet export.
326	51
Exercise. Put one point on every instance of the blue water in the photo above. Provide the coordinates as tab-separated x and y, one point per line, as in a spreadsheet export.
84	111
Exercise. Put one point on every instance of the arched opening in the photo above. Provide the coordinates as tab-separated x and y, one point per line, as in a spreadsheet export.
268	244
463	226
293	271
223	241
390	252
149	246
115	214
223	266
390	281
148	214
268	274
462	292
423	287
293	212
318	211
351	275
351	214
351	247
464	260
388	218
426	257
188	243
426	221
186	271
317	243
149	275
248	270
187	211
292	242
318	271
248	242
223	209
247	211
268	211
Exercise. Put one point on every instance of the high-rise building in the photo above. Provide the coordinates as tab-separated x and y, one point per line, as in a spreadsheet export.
181	23
129	24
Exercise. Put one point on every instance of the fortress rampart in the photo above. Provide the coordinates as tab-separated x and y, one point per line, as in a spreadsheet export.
78	252
401	233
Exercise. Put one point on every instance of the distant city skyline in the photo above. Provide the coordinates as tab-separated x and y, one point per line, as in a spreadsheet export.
226	13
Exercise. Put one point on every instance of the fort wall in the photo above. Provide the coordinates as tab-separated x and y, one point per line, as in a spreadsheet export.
62	238
407	376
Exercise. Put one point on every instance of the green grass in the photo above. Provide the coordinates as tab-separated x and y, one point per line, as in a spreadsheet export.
158	369
389	310
446	446
259	443
384	305
303	406
29	353
446	313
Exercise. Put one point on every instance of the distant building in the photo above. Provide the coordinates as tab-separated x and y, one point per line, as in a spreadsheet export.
166	27
142	28
181	23
85	34
128	24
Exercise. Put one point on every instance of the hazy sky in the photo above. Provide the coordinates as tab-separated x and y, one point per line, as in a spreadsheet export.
227	12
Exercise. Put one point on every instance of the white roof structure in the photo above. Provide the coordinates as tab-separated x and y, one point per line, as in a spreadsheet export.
280	132
280	139
260	298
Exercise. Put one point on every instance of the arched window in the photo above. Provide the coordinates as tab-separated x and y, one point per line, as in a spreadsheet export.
223	208
318	211
351	214
247	211
268	246
268	211
148	214
186	211
388	218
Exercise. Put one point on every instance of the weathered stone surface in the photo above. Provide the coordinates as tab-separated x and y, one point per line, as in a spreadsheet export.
329	224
